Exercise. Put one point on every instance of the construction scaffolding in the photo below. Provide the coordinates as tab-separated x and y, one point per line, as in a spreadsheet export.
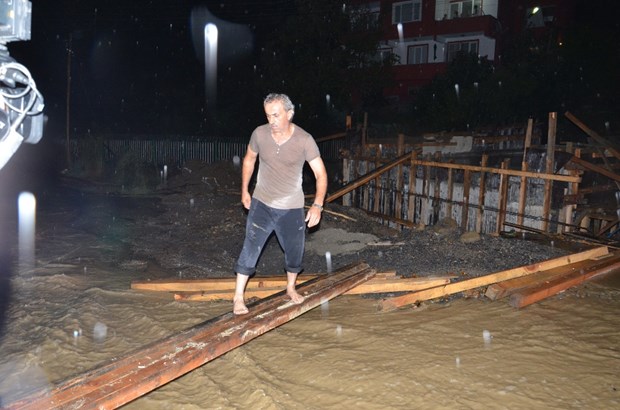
484	187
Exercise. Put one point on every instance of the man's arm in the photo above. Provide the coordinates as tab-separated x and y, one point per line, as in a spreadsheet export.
246	174
313	217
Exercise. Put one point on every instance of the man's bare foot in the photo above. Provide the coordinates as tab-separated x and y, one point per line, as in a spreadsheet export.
239	307
295	297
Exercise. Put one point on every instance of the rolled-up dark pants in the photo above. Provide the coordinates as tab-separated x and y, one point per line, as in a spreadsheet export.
289	227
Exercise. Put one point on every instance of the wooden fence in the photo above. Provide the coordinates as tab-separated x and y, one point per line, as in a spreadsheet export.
412	190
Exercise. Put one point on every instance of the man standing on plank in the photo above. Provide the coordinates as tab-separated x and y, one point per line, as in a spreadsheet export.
277	203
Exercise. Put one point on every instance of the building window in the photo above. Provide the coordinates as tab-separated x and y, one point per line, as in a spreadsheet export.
384	55
454	49
466	8
406	11
417	54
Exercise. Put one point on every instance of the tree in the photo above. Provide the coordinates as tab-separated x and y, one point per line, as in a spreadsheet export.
325	57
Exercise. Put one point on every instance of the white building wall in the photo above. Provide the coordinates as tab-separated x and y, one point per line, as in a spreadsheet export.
486	47
442	7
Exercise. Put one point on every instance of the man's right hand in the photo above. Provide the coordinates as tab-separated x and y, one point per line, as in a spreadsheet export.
246	199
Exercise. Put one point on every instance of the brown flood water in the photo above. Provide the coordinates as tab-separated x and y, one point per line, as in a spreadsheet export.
561	353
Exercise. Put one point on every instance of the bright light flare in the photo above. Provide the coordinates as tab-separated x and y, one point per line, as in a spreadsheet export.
26	208
211	39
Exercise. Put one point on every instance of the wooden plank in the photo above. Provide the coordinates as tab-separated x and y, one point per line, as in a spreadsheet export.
412	188
465	207
522	195
450	192
501	171
346	169
400	178
549	169
228	283
211	284
523	184
372	286
481	194
537	293
125	379
436	202
503	198
573	190
592	167
378	186
368	177
426	207
508	287
394	303
593	135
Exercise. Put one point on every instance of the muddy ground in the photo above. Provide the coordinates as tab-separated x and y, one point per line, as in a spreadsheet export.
193	226
75	310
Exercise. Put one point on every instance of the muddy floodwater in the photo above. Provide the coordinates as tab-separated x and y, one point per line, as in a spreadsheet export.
473	354
75	310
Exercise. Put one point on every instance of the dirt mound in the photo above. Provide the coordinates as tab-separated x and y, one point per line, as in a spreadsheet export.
201	177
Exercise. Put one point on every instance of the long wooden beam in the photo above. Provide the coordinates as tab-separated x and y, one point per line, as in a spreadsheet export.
228	282
394	303
533	294
592	167
372	286
368	177
508	287
592	134
501	171
123	380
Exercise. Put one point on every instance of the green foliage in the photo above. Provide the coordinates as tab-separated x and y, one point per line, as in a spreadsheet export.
536	76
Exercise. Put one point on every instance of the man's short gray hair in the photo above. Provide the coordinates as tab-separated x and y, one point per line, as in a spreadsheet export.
283	98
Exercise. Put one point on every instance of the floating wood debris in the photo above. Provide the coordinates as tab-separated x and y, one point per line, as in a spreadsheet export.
261	287
560	283
125	379
394	303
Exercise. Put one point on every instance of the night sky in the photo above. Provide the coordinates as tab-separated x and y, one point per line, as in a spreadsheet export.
137	66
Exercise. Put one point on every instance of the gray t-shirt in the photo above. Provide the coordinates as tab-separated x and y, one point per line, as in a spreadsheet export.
280	168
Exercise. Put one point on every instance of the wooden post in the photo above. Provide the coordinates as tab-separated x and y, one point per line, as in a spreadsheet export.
412	187
356	164
364	193
573	189
450	193
465	208
523	184
346	178
437	191
522	195
426	195
502	197
549	165
481	194
399	178
378	191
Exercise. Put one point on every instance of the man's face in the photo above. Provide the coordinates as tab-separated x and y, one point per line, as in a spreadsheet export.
278	118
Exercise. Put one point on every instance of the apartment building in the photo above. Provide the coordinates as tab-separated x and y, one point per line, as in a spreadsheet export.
426	35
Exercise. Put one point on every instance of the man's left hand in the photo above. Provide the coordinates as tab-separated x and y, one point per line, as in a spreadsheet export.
313	217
